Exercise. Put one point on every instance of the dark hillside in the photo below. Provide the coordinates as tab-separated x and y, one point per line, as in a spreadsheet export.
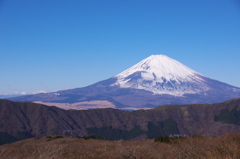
21	120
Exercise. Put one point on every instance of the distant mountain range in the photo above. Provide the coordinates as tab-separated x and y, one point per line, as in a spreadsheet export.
156	80
4	96
20	120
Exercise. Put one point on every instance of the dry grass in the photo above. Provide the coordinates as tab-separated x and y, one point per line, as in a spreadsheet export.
225	147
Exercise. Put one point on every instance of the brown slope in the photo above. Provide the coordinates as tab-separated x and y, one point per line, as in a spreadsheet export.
224	147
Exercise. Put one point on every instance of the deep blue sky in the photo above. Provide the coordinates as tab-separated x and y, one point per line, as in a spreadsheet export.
48	45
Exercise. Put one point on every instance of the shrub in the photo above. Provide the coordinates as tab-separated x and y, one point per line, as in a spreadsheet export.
165	139
92	137
49	138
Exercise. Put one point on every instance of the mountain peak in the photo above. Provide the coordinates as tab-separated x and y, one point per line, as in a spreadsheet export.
158	56
161	66
159	74
154	81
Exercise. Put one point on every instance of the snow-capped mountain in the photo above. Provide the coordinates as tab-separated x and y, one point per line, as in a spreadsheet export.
156	80
162	75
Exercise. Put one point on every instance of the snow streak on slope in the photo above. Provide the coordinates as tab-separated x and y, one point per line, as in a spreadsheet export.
162	75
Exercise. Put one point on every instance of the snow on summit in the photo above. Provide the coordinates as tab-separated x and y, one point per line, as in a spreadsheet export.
161	66
161	74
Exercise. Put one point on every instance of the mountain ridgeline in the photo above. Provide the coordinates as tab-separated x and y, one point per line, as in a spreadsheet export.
154	81
20	120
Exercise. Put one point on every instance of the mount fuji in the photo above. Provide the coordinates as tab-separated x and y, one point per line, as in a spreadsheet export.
160	74
154	81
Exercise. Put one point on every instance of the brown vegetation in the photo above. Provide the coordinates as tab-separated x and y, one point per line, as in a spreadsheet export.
224	147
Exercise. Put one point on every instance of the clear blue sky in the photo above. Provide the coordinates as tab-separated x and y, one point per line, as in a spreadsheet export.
49	45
